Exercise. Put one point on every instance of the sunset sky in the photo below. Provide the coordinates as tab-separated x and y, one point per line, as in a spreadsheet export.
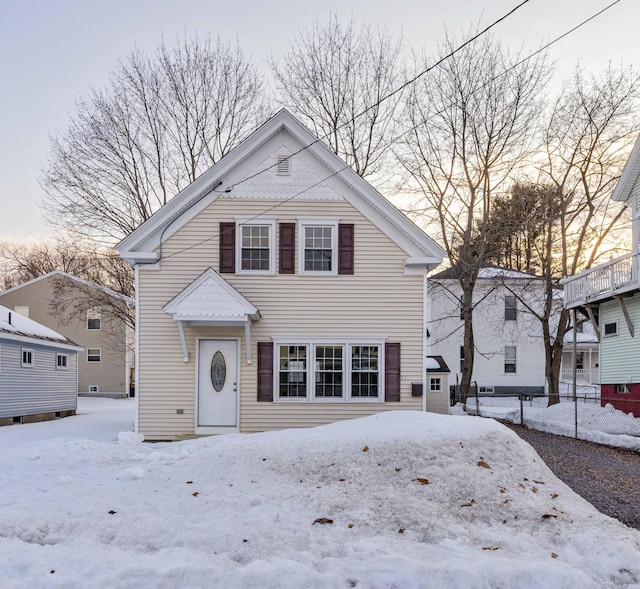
53	51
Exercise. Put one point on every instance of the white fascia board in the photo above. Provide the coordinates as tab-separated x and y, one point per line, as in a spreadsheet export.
35	341
199	195
196	192
629	175
397	226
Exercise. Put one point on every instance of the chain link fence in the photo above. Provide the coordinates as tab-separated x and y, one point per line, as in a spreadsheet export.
612	420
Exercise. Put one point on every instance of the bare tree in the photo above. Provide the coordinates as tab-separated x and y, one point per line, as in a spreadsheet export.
573	223
162	120
334	78
105	280
473	122
588	137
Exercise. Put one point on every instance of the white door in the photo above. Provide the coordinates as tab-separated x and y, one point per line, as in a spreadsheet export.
217	383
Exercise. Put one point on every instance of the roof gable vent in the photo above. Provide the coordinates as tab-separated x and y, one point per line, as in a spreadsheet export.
282	165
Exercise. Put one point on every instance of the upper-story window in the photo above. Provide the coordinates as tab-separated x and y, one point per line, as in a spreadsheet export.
22	309
318	246
255	248
94	318
510	308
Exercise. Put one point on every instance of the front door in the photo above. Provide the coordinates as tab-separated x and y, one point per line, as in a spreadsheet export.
217	383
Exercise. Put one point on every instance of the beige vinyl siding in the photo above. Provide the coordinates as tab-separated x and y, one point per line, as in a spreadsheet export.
619	354
110	373
378	301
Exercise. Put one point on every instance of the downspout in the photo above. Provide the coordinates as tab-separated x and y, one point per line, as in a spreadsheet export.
127	360
136	352
425	339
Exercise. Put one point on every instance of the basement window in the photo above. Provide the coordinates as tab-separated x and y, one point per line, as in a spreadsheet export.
623	389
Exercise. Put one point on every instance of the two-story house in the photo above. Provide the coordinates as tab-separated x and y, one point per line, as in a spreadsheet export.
509	356
278	290
104	366
610	294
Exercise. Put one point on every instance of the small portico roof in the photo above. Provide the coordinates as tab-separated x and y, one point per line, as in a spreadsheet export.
211	301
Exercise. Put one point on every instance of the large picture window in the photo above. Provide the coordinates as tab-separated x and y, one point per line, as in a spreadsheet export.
318	371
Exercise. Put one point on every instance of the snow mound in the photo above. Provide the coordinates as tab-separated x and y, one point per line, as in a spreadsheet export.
130	438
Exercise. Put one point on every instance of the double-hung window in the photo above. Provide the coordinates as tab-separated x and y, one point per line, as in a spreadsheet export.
94	318
255	249
27	358
61	361
510	360
510	308
329	371
318	246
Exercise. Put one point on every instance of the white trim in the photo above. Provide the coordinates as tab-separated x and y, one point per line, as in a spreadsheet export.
347	345
426	308
24	364
201	193
136	351
269	222
305	222
206	429
45	343
94	361
66	361
515	358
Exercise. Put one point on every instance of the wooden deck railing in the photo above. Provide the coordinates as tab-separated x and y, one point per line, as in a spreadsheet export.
602	282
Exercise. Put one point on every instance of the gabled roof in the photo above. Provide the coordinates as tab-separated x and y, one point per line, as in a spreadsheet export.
211	299
629	175
139	247
22	329
487	272
61	274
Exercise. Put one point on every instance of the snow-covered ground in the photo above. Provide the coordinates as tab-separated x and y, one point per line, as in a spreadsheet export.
400	499
603	425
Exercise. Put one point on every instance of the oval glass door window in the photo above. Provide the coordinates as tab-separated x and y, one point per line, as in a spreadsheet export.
218	371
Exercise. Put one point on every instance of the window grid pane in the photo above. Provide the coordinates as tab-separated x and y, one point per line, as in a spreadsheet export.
510	359
317	249
255	247
328	371
293	371
510	308
365	371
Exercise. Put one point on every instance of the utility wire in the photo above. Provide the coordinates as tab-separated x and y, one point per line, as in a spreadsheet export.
413	127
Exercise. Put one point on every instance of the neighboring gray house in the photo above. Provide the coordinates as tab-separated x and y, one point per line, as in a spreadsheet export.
38	371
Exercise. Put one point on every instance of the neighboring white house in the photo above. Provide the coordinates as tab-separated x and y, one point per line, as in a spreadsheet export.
509	348
278	290
610	295
38	371
587	355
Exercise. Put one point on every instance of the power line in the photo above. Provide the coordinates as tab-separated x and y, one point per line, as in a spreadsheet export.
412	128
394	92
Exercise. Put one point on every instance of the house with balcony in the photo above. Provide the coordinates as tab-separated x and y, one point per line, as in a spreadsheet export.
610	295
587	357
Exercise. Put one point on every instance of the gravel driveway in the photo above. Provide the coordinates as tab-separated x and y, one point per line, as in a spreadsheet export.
609	478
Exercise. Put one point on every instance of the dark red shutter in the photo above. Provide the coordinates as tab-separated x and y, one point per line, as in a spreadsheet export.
265	371
345	248
287	247
228	247
392	372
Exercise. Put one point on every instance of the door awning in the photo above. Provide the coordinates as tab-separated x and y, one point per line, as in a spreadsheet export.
211	301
